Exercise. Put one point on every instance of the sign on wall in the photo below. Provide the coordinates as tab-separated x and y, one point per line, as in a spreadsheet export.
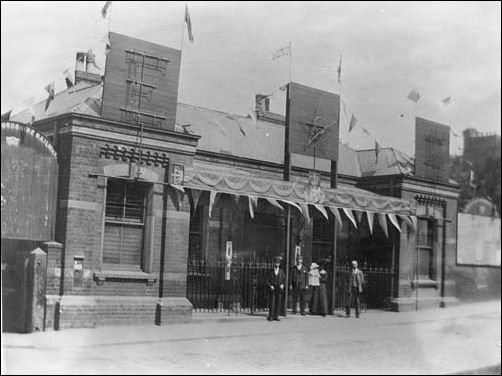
478	240
432	150
313	122
141	82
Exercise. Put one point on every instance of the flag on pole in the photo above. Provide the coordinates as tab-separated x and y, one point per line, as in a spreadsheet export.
105	8
377	151
50	89
447	100
353	122
339	70
68	78
414	96
6	116
188	21
285	51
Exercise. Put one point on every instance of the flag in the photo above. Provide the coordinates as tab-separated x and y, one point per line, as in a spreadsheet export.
353	122
68	78
252	115
274	202
339	70
393	220
212	198
349	214
50	89
447	100
189	24
322	210
91	59
366	131
370	220
30	104
293	204
414	96
105	8
305	211
253	201
377	151
285	51
383	223
336	213
235	118
6	116
108	45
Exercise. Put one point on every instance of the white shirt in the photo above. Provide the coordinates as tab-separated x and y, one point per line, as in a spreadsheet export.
299	267
276	271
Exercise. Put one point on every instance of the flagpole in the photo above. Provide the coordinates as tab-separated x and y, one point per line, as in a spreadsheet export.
290	60
110	17
183	28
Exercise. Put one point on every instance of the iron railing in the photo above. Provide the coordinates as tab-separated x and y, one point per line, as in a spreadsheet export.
245	291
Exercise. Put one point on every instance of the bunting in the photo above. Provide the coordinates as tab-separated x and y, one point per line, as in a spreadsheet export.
105	8
51	90
253	201
68	78
407	220
274	203
236	119
447	100
382	220
336	213
415	221
369	216
414	96
195	195
322	210
6	116
393	220
359	215
188	21
285	51
353	122
293	204
339	70
219	125
349	214
212	198
305	211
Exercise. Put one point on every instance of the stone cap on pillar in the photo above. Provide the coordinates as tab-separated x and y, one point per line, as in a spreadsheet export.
38	251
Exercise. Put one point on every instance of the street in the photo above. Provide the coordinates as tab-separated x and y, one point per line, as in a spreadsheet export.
449	340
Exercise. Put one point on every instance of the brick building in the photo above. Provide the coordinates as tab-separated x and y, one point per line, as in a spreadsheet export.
136	206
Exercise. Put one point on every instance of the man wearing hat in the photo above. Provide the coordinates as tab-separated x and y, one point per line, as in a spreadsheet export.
299	284
275	283
355	288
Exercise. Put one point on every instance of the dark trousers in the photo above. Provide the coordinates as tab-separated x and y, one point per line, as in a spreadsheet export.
353	301
323	300
299	294
314	299
274	303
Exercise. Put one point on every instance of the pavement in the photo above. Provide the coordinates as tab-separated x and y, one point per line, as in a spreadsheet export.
464	339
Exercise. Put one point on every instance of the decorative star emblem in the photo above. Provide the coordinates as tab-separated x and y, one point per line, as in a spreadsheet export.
316	130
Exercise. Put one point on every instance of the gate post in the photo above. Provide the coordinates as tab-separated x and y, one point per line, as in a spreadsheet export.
35	294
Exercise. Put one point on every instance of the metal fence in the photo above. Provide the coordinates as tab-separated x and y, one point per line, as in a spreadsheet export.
209	291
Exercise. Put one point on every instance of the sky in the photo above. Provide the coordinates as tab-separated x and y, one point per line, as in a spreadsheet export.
440	49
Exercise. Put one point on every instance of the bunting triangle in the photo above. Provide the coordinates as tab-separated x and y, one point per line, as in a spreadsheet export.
382	220
415	221
336	213
406	219
252	203
349	214
322	210
370	216
293	204
274	203
305	211
359	215
212	199
194	195
393	220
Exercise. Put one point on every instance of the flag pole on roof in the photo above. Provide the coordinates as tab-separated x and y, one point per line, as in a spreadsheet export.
107	11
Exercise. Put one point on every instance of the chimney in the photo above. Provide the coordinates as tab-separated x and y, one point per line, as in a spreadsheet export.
262	103
83	72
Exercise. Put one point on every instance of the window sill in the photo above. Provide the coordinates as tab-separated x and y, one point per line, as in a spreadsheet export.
425	283
104	275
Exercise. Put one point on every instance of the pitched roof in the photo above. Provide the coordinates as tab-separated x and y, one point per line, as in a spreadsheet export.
83	98
390	162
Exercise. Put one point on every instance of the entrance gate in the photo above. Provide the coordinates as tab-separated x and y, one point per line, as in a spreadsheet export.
246	290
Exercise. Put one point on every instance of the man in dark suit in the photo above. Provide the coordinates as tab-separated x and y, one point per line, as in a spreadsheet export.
299	284
275	284
354	289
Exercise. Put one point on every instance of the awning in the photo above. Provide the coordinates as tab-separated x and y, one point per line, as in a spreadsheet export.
244	183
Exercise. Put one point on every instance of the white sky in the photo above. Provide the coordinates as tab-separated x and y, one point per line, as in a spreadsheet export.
439	48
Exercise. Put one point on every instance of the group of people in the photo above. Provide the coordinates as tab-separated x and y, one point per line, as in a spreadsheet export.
310	283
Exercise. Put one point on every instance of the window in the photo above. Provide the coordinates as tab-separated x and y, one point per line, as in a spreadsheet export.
425	240
124	224
322	239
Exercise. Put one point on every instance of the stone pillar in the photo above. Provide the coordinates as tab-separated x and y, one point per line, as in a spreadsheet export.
55	273
34	302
